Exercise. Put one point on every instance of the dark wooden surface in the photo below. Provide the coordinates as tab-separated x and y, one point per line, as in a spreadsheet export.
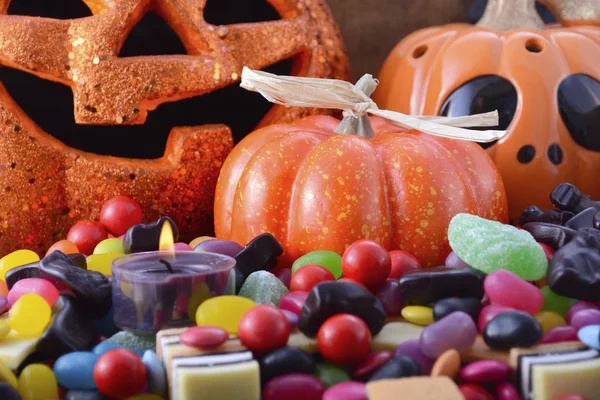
371	28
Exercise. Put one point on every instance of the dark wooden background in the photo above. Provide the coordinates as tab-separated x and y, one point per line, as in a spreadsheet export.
371	28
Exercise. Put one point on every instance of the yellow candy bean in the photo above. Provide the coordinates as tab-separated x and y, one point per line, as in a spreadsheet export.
199	240
30	315
37	382
4	329
223	311
549	320
6	375
16	259
102	262
418	315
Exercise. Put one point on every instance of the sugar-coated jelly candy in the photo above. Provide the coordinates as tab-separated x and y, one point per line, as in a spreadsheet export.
37	382
102	262
92	289
259	254
220	246
455	331
223	311
155	371
590	336
263	287
294	387
558	334
327	259
485	371
119	373
346	391
555	236
396	367
283	361
507	289
549	320
76	370
490	245
585	317
111	245
568	197
371	363
29	315
133	342
412	348
555	303
145	237
293	301
419	315
330	374
427	286
575	269
71	329
330	298
38	286
512	329
443	307
16	259
390	296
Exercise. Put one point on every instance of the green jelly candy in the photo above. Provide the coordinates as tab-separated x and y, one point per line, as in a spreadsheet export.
263	287
326	259
132	341
556	303
489	246
330	374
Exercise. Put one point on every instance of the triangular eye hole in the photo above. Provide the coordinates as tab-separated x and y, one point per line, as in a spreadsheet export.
579	109
228	12
152	36
57	9
483	94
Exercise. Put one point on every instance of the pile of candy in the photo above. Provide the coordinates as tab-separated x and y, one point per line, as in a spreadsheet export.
513	314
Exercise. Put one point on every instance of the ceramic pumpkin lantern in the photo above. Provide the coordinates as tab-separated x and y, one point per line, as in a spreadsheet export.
315	189
48	183
544	80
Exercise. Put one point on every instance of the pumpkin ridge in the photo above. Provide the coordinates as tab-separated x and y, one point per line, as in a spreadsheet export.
388	211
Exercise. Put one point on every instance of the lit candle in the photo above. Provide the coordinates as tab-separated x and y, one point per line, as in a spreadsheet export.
161	289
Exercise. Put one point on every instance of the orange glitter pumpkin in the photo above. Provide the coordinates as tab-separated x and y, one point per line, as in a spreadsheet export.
315	189
545	81
47	185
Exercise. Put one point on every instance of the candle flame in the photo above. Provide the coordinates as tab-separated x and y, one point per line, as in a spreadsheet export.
166	241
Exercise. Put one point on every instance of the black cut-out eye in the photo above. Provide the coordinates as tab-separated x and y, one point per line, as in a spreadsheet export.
579	107
526	154
483	94
58	9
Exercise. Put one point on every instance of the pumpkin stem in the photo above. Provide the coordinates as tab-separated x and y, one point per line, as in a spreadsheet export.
569	12
504	15
360	126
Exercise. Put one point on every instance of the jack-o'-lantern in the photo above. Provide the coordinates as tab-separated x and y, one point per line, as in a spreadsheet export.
131	93
544	80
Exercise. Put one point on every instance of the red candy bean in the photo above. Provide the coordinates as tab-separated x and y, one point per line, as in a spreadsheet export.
86	235
119	214
367	262
264	328
549	251
508	289
402	262
488	313
284	275
371	363
294	387
344	279
473	391
306	277
485	371
204	337
293	301
507	391
560	334
573	397
38	286
347	391
119	373
344	339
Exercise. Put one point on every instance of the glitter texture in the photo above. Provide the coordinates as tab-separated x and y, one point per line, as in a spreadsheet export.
46	186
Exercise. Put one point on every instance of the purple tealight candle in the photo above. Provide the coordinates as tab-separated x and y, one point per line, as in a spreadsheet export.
162	289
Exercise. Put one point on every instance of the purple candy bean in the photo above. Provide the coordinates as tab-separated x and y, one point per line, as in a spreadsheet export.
577	306
453	261
389	294
412	348
585	317
219	246
455	331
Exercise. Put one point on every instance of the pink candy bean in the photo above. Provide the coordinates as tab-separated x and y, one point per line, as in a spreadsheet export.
347	391
293	301
485	371
508	289
506	391
560	334
38	286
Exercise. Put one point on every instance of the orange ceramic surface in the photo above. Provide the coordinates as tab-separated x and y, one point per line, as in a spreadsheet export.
427	66
314	189
47	186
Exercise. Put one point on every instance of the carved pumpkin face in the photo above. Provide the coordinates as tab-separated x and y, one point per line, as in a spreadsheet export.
545	82
55	170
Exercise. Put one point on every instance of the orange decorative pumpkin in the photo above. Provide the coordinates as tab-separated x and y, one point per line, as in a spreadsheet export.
545	81
142	117
315	189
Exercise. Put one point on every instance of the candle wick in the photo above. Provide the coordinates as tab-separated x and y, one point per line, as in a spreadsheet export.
167	264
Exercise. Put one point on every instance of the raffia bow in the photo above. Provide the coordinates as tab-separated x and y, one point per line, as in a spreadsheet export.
355	102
